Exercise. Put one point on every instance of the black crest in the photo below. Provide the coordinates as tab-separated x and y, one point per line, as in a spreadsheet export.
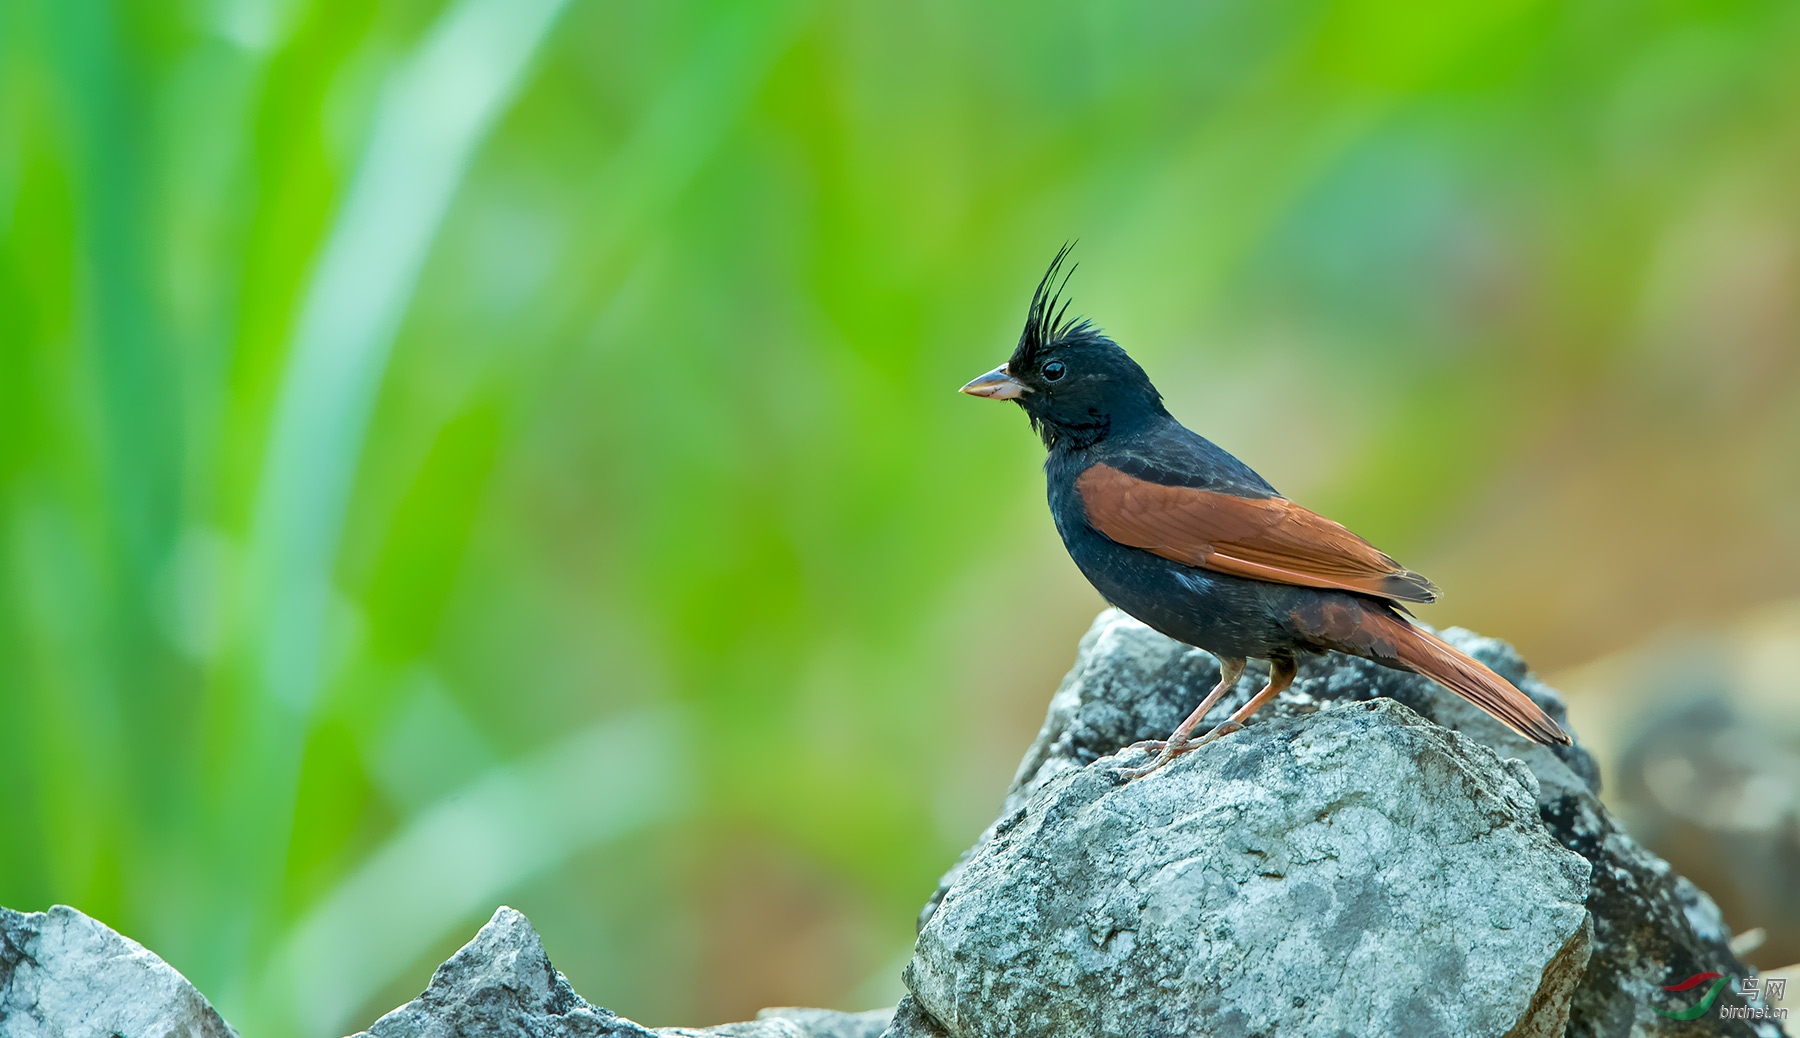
1047	322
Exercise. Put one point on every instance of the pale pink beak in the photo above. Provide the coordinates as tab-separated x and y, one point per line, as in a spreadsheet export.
997	385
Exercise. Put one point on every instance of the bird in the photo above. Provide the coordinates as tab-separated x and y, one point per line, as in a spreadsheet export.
1174	530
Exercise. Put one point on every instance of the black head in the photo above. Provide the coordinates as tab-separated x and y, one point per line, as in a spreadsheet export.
1076	385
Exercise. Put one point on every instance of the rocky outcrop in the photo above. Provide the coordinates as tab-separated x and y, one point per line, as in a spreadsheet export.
1650	927
910	1021
501	985
1371	856
64	975
1360	872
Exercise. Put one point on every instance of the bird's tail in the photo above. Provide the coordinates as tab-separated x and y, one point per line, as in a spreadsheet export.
1425	653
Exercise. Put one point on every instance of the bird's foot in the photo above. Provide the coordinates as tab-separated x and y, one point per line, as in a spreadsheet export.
1167	750
1161	759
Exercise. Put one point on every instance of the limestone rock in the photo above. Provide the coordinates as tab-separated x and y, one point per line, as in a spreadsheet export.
65	975
794	1022
1651	927
1362	872
910	1021
827	1023
502	985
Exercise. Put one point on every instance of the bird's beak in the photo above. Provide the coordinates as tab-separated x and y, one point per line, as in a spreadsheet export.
996	385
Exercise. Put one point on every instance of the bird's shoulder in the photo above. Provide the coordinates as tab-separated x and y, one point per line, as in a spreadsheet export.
1173	455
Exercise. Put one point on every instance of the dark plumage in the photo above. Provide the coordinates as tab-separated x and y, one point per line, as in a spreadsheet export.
1180	534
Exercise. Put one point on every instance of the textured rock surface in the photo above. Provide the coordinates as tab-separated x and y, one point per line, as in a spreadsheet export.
824	1023
502	985
1360	872
64	975
912	1022
1650	926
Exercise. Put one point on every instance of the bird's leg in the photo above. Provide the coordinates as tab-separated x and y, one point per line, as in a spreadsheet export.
1230	670
1281	674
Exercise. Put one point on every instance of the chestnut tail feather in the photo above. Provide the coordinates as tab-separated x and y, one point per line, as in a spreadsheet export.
1427	654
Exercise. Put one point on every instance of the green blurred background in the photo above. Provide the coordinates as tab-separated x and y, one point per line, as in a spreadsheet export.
508	450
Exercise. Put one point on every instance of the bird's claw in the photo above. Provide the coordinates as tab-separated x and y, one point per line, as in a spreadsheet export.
1132	774
1225	728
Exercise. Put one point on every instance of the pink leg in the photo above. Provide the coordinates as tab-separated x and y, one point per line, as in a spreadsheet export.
1281	674
1177	742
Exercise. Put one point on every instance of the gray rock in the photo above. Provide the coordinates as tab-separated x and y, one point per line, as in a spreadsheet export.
65	975
795	1022
1361	872
501	985
829	1023
912	1022
1650	926
1130	683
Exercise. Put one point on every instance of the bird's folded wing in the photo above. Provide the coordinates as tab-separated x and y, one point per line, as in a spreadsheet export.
1268	538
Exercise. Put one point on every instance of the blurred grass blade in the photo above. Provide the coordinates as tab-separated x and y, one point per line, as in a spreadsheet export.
132	367
456	859
429	123
427	127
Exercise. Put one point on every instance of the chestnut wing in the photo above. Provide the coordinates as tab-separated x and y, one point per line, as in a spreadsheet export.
1268	538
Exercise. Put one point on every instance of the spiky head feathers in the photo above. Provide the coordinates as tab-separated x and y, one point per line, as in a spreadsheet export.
1047	322
1077	382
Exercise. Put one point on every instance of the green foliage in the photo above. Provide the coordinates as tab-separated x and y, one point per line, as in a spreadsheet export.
399	401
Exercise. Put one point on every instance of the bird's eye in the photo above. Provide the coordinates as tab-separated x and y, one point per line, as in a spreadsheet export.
1053	371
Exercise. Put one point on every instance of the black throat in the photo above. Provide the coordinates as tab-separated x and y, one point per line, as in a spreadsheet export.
1066	436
